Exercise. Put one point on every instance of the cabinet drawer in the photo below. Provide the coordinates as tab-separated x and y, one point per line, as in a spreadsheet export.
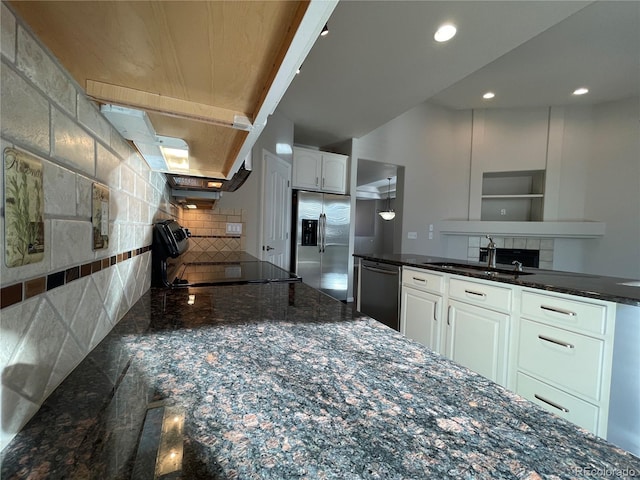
422	280
487	296
584	316
568	360
562	404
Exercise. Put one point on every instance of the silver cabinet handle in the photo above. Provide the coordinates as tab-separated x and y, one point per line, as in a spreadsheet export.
435	308
380	270
553	404
322	182
558	310
317	181
418	279
477	294
557	342
449	315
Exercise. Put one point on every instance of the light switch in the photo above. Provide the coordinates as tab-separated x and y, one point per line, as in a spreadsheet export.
412	235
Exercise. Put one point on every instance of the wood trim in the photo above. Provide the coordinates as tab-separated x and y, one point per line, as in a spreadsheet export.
163	105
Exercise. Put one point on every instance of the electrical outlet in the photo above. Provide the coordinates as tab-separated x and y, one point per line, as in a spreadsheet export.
431	227
503	211
234	228
430	235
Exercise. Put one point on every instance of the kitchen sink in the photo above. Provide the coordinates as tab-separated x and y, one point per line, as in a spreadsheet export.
478	269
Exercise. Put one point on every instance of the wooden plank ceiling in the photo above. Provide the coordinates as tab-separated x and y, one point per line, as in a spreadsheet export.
193	66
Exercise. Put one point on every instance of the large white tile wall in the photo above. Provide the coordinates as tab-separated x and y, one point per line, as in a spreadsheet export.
44	112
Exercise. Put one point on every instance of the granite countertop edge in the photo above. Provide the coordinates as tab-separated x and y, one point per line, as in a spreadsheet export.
584	285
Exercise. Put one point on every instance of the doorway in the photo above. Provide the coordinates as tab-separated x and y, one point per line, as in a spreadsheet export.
378	189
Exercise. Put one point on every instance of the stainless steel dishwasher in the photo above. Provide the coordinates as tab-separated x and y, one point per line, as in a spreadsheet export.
379	292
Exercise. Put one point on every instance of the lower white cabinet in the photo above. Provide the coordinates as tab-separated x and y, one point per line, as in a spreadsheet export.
554	349
420	307
477	338
564	356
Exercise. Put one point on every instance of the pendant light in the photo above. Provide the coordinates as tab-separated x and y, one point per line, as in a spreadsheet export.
388	214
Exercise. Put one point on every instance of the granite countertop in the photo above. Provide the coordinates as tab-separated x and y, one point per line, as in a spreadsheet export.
279	381
600	287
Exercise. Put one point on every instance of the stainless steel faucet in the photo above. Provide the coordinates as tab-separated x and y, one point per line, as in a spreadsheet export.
491	250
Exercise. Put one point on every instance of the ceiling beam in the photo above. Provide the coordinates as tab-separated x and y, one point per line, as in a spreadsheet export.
163	105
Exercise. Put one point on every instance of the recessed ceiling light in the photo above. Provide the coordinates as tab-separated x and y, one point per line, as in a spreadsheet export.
488	95
325	31
445	33
190	206
580	91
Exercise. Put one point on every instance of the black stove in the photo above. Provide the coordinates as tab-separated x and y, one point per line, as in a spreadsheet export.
175	266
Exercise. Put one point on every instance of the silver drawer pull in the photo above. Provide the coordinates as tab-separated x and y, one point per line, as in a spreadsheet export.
419	279
557	342
477	294
558	310
553	404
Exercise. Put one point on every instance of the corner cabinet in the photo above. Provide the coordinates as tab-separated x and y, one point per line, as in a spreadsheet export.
319	171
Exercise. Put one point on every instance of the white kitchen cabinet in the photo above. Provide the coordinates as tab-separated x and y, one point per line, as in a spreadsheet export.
477	338
565	355
477	325
319	171
421	306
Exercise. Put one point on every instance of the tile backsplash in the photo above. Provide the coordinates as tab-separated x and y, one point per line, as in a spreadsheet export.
209	229
544	245
55	311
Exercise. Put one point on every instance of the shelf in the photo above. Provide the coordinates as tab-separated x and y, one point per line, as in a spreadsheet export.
523	195
567	229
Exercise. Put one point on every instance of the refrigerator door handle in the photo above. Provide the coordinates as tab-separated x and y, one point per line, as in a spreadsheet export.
324	231
320	232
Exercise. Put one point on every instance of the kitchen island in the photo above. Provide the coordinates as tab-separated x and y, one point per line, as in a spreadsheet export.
280	381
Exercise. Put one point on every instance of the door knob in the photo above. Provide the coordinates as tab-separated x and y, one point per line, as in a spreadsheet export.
269	248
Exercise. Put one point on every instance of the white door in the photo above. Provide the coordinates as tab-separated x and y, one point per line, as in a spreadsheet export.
276	210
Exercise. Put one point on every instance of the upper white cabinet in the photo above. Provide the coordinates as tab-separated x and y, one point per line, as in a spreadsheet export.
319	171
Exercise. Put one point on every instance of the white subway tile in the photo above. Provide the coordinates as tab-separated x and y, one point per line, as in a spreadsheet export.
14	322
84	187
72	243
25	112
127	179
65	299
546	244
533	243
85	319
59	190
71	354
89	115
107	167
72	145
8	33
38	67
17	411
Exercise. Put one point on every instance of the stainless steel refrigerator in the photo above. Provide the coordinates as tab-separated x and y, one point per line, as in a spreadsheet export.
321	251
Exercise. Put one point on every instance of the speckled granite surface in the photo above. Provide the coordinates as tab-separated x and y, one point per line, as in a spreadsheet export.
601	287
279	381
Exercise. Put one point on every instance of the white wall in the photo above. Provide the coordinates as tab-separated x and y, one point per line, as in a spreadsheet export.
433	144
613	189
279	129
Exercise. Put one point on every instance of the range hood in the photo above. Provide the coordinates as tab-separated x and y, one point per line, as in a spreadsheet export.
203	192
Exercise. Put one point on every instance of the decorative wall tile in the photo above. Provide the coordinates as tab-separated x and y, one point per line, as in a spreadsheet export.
11	275
16	412
30	367
66	300
27	109
7	33
85	318
72	145
38	67
71	354
14	322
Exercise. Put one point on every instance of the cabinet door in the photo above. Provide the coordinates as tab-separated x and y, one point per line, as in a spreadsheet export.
334	173
307	165
419	317
477	339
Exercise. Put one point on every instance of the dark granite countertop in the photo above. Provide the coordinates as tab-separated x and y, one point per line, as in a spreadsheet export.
279	381
601	287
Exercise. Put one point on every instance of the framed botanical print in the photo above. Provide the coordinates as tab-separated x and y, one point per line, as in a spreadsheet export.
23	207
100	216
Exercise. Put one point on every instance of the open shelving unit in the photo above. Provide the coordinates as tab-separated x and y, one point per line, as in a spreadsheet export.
516	196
